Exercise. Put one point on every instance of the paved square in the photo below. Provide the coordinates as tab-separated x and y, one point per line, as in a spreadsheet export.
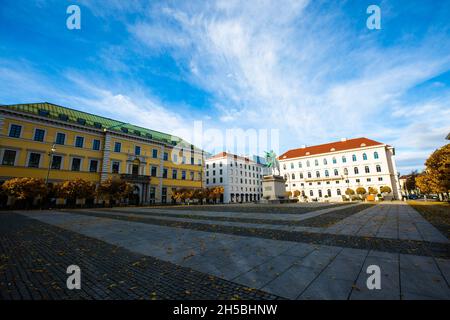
295	251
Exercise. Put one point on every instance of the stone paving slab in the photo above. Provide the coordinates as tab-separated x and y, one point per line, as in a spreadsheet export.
289	269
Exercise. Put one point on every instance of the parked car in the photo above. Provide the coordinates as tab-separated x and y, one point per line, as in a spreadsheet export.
413	197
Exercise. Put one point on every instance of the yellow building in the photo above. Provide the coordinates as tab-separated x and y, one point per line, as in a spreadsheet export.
48	141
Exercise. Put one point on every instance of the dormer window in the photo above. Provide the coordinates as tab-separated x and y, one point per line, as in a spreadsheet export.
137	132
332	149
81	121
124	130
44	113
363	144
308	153
63	117
149	135
98	125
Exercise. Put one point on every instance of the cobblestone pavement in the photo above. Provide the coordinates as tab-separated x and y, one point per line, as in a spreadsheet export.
293	262
34	257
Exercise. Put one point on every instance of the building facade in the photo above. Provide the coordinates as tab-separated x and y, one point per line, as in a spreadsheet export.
43	140
326	171
240	177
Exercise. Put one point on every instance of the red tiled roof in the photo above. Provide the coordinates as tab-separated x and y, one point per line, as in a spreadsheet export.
329	147
225	154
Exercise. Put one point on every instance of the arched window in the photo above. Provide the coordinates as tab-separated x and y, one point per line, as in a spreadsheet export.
344	160
346	171
364	156
336	172
307	163
378	168
325	161
299	164
375	155
285	177
356	170
354	157
293	176
317	174
334	160
316	162
309	174
326	173
366	168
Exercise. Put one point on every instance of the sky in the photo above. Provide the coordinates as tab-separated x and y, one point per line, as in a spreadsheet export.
308	72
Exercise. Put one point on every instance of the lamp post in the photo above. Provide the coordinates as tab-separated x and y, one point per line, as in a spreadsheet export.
50	156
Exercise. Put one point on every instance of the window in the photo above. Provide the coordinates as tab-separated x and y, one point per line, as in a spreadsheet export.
292	165
317	174
366	169
60	138
293	176
327	174
93	166
344	160
369	179
117	147
311	193
39	135
56	162
96	144
220	179
354	157
9	158
137	150
378	167
329	192
325	161
307	163
380	178
334	160
309	174
193	161
174	174
320	193
15	130
338	191
76	164
165	156
316	162
165	173
356	170
33	161
375	155
79	141
115	166
357	181
345	172
364	156
175	158
153	171
221	171
336	172
301	175
207	181
155	153
299	164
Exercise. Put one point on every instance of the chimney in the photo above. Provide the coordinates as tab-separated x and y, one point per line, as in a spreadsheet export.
343	139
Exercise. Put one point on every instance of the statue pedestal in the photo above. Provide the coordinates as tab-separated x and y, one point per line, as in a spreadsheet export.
274	189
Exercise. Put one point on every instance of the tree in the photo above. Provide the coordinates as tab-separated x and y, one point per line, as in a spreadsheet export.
216	192
288	194
114	188
373	190
436	177
76	189
25	189
385	189
361	191
296	193
349	192
410	183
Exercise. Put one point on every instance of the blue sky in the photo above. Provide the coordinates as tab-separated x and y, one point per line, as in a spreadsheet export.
310	69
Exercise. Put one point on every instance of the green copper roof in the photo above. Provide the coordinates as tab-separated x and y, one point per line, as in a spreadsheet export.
87	119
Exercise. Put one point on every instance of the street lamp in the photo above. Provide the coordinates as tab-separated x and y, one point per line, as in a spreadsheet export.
50	156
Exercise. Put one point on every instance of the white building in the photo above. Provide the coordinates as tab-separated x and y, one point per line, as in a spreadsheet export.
240	177
327	170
